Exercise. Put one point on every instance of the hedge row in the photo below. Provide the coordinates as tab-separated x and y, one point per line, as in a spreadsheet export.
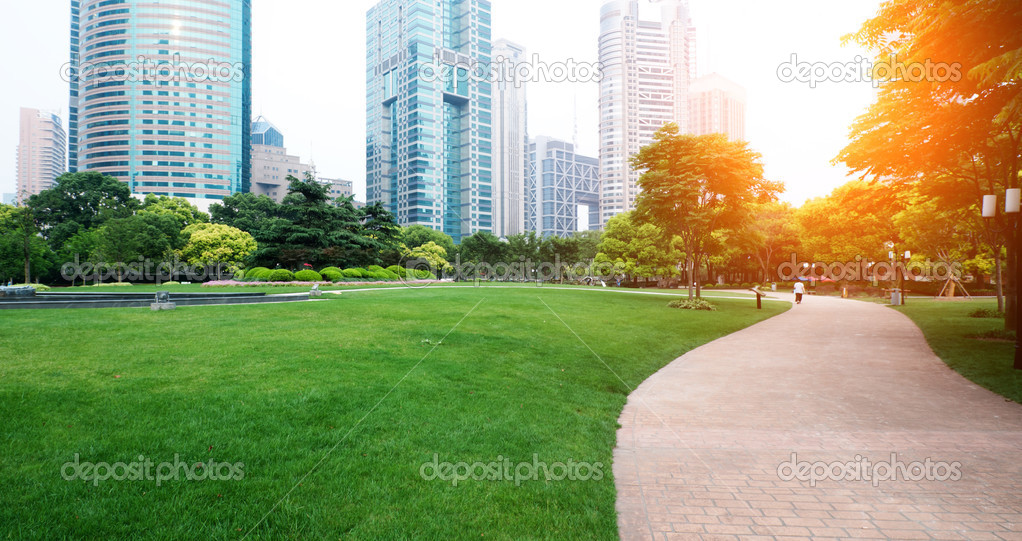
333	274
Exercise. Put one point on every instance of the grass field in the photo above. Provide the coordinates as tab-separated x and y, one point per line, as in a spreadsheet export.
954	337
330	409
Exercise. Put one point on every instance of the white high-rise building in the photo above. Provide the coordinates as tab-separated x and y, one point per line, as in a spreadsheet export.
717	105
42	152
647	68
510	137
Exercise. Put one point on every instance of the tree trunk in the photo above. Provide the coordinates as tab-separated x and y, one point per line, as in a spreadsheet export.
998	277
28	258
1011	308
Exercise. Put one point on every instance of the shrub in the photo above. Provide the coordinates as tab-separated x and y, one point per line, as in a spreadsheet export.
356	273
281	275
257	273
693	304
986	313
374	268
379	275
746	285
332	275
328	270
423	274
111	284
172	283
709	286
400	271
308	276
38	287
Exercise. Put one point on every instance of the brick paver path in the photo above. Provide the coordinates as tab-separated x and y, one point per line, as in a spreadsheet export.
702	440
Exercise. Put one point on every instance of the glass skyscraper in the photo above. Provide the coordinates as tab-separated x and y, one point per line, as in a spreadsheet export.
161	95
429	113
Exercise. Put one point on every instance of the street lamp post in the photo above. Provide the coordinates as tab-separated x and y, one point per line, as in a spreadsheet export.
1013	206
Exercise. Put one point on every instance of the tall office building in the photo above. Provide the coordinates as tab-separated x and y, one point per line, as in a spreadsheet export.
510	137
161	95
42	154
562	189
271	164
429	118
717	105
647	67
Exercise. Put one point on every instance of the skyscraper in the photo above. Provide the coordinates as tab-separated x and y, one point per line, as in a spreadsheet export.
647	68
510	137
717	105
161	95
562	189
42	156
429	113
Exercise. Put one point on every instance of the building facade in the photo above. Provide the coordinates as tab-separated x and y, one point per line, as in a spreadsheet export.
562	189
510	138
42	152
339	187
647	68
271	164
429	120
717	105
161	95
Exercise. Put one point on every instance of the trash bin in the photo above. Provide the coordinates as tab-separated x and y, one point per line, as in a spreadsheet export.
896	297
773	286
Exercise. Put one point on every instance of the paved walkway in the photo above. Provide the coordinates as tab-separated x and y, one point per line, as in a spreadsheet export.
702	442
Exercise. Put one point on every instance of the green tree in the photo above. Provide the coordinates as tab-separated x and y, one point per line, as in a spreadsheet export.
483	247
80	200
186	213
22	249
216	245
418	235
693	186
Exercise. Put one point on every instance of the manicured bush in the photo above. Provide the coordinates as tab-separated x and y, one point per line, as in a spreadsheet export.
332	275
374	268
281	275
746	285
379	275
693	304
709	286
257	273
356	273
423	274
326	270
308	276
40	287
400	271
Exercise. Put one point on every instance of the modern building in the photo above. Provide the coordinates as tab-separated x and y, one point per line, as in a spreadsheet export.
717	105
429	118
161	95
562	189
42	152
271	164
339	187
10	199
648	64
510	137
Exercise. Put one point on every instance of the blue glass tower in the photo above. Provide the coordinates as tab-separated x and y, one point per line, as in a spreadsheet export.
429	113
161	95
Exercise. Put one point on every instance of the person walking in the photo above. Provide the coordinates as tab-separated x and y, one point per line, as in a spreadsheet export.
800	290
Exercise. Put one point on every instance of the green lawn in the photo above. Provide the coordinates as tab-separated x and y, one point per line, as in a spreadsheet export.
354	389
952	335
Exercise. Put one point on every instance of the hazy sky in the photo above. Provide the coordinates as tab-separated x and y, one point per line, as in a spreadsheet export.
309	76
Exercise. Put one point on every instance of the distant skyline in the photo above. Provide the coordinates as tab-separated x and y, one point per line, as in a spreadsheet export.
309	76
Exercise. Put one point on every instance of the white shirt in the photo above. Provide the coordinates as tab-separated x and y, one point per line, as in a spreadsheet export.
800	287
